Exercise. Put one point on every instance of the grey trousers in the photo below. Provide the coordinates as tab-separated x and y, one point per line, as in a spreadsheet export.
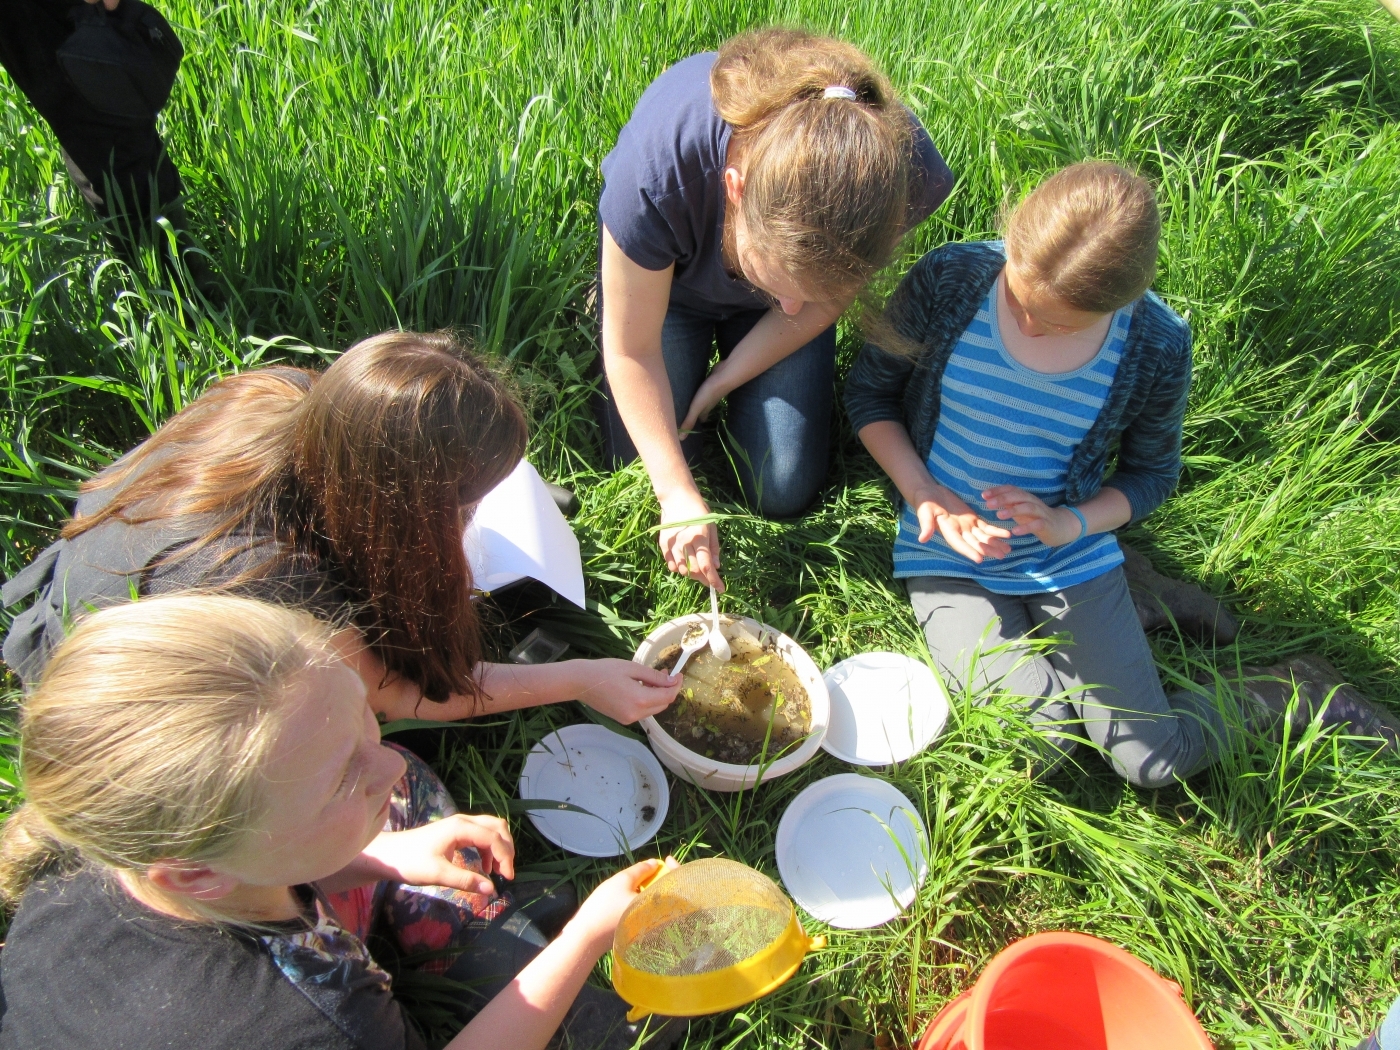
1100	684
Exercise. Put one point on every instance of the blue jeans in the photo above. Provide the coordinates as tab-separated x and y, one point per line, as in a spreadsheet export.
1387	1036
779	422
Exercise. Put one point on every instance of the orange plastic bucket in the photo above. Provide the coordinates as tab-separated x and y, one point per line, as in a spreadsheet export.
1066	991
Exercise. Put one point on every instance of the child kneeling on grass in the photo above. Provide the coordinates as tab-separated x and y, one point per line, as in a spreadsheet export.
206	790
1009	373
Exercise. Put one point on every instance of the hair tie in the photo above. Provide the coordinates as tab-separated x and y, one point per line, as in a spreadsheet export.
839	91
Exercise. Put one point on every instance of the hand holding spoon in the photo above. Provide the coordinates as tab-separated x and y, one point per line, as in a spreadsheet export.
719	644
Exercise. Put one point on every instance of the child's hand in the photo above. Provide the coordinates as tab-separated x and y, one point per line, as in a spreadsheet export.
975	539
597	917
691	550
702	404
426	856
624	690
1053	526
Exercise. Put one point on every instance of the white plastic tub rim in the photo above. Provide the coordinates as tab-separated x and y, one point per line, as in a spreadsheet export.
727	776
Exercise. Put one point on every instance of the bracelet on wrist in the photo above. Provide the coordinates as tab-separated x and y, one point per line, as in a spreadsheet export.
1083	521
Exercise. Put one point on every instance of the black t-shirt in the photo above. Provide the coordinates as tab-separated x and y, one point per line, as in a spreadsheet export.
85	967
663	189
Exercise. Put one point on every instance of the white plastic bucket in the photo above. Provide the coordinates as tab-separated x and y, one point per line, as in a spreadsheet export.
726	776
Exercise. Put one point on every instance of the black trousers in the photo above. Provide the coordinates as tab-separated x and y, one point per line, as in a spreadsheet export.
130	177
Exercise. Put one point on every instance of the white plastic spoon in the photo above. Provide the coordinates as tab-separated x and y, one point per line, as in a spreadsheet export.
689	647
719	644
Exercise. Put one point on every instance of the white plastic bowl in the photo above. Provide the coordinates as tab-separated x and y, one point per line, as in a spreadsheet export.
727	776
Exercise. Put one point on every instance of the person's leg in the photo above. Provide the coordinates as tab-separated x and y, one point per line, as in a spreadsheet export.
687	343
976	639
120	167
1150	739
780	422
105	149
1387	1036
30	34
480	942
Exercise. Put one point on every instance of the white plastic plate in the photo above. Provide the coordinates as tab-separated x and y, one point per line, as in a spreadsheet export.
851	851
885	708
615	778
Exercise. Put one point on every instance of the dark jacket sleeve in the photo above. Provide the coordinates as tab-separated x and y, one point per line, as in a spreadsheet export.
876	385
1149	450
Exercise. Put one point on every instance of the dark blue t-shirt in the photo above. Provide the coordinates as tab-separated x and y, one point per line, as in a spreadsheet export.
663	188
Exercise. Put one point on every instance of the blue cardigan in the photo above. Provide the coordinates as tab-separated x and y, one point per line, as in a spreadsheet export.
1143	412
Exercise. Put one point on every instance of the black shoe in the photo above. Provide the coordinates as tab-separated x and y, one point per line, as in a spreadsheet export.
1319	687
549	905
565	500
598	1021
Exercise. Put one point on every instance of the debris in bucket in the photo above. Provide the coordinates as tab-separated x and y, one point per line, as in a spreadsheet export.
725	709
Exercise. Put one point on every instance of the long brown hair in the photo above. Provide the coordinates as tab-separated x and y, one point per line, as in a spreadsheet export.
396	442
373	466
225	454
148	735
1087	236
826	180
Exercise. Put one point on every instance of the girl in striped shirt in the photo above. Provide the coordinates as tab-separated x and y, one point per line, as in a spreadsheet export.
1009	373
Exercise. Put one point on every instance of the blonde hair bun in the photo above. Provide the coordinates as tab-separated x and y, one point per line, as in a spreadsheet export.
827	155
1087	236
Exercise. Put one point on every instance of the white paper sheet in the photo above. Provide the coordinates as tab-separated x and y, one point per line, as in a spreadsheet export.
517	531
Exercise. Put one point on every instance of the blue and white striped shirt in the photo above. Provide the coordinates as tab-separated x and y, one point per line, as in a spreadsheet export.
1001	423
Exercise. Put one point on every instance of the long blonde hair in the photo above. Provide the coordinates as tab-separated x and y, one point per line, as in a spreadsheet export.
147	737
826	179
1087	236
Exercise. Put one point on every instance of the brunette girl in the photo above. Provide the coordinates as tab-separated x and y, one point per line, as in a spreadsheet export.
751	196
346	493
1025	364
205	787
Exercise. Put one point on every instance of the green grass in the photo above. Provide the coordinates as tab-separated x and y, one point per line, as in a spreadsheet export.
356	166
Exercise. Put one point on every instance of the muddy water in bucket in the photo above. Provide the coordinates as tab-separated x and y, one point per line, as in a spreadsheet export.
726	709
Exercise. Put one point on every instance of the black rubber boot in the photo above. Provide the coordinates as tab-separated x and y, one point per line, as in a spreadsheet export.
1160	600
563	498
598	1021
549	905
491	962
1319	687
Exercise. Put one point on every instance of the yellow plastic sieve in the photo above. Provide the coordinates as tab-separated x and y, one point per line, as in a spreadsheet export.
706	937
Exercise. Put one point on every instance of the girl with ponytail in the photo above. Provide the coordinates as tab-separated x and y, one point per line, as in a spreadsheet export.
750	198
213	828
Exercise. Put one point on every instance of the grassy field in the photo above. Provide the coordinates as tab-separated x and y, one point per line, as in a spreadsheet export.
359	165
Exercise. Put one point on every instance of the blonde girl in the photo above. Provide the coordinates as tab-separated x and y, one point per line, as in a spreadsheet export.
749	198
1023	369
204	783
